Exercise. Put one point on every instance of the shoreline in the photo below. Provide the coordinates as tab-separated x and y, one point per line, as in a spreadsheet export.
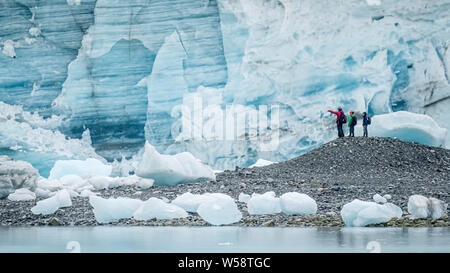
326	174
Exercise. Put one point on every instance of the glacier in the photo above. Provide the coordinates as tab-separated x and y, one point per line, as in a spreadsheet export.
98	78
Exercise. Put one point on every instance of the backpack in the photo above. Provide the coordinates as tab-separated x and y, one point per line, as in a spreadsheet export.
343	119
369	121
354	121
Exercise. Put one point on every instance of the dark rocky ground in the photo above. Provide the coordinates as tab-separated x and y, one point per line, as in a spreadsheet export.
334	174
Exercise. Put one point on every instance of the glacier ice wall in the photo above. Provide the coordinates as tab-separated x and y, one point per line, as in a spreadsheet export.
122	68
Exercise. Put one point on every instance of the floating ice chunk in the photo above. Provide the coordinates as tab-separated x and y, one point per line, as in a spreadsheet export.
261	163
409	126
172	169
90	166
22	195
297	203
157	208
219	210
243	197
113	209
48	206
379	199
418	206
190	202
387	196
265	203
438	208
421	207
362	213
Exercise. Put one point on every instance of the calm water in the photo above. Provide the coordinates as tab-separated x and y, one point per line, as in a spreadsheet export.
223	239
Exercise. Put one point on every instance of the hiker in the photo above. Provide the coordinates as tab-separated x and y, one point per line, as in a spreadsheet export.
341	119
366	121
352	123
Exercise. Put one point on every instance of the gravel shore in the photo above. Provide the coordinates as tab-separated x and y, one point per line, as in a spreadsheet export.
333	174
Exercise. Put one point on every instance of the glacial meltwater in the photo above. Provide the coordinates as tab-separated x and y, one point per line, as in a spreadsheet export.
222	239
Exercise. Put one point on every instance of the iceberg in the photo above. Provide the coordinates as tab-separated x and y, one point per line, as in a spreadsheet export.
265	203
244	198
172	169
16	175
22	195
190	202
157	208
409	127
79	167
422	207
221	209
113	209
297	204
379	199
48	206
362	213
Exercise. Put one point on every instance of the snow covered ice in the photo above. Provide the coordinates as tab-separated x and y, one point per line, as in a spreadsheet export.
157	208
297	204
422	207
79	167
50	205
22	195
172	169
362	213
261	163
265	203
221	209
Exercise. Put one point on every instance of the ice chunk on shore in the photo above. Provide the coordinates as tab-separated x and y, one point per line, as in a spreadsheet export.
379	199
418	206
438	208
422	207
90	166
297	204
48	206
219	210
172	169
265	203
157	208
362	213
113	209
244	198
409	126
190	202
261	163
22	195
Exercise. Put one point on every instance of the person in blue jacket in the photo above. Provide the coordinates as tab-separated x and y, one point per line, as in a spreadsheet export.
366	122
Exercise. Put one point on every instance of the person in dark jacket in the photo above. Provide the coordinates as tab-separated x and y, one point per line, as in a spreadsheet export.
366	122
352	124
338	121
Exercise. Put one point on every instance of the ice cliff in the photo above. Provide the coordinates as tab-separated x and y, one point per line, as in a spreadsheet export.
113	74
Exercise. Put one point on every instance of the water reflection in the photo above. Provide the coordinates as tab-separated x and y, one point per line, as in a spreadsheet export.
224	239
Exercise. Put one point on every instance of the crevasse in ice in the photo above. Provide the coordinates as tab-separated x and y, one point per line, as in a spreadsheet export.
113	74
